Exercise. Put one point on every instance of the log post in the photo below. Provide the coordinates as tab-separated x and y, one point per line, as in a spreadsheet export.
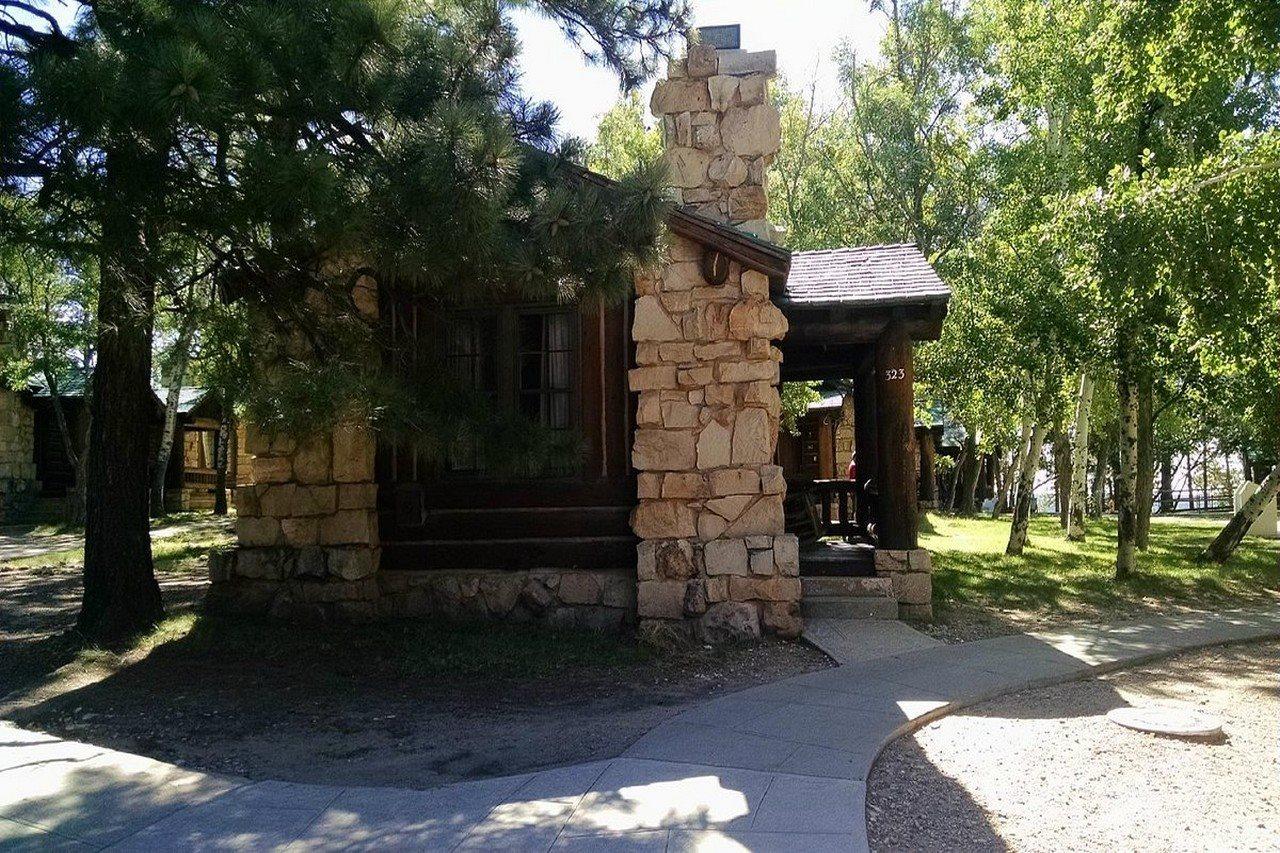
896	440
865	439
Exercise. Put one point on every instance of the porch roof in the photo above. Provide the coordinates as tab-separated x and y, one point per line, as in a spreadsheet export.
862	276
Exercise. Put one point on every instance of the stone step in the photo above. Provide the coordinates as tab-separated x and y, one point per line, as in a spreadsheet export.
848	607
856	587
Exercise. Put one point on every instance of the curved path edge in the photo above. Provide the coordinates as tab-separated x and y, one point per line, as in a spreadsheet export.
782	766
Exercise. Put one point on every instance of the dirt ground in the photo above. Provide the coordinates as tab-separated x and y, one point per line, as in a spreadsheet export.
339	705
1045	770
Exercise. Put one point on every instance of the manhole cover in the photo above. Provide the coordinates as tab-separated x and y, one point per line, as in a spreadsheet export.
1167	720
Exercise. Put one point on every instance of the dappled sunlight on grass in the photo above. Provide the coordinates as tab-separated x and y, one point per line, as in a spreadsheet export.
1055	575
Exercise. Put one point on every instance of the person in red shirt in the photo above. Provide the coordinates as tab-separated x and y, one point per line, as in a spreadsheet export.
853	467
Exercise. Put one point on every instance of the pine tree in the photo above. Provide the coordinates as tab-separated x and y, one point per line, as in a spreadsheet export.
295	142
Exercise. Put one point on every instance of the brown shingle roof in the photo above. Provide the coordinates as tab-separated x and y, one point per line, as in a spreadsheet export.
866	275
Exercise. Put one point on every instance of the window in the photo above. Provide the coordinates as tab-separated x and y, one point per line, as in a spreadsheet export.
470	344
545	366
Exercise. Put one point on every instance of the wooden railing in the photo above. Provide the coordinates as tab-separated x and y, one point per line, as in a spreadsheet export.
837	503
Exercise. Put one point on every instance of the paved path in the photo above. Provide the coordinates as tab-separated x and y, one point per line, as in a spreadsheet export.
848	641
780	767
14	546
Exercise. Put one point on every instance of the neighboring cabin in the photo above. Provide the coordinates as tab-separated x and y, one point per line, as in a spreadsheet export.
36	474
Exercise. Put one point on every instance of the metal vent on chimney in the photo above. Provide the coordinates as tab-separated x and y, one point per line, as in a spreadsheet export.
724	37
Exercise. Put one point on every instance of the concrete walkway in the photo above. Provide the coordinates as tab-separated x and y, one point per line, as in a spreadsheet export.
776	768
848	641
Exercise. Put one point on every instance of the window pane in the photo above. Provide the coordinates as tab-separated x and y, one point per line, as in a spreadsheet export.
531	333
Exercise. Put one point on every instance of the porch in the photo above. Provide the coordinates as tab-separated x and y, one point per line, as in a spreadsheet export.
854	317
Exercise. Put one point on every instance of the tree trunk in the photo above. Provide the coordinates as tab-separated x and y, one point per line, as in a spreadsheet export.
1127	491
1191	482
1146	461
221	457
1228	539
970	470
121	596
1166	486
1004	476
1079	459
1015	467
76	499
1026	491
159	473
1062	485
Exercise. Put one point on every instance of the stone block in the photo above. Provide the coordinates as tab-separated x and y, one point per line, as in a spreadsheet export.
747	202
652	378
772	481
912	587
695	598
682	276
764	517
272	469
923	612
782	618
263	563
730	506
755	284
663	450
762	563
678	352
647	561
679	96
725	557
757	320
786	555
353	563
688	486
674	560
718	350
579	588
357	495
764	589
679	415
723	90
687	167
663	520
313	460
701	61
649	484
246	500
299	532
744	62
920	561
348	527
727	171
651	322
711	526
315	500
256	531
660	599
730	622
717	588
618	590
734	481
888	562
747	371
311	562
753	438
751	131
714	446
695	377
753	89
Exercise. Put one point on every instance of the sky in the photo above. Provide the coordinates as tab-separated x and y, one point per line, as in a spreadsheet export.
805	33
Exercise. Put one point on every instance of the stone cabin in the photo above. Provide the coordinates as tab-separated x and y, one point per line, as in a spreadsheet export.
681	520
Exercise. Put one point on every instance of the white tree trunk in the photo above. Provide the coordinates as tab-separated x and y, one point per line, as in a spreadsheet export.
178	373
1079	459
1127	494
1026	490
1228	539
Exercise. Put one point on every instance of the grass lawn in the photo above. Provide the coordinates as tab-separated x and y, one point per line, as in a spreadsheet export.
1057	580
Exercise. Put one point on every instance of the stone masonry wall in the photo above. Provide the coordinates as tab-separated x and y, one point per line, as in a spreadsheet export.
306	522
715	561
17	452
911	573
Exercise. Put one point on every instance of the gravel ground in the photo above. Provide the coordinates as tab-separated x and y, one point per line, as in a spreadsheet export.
1045	770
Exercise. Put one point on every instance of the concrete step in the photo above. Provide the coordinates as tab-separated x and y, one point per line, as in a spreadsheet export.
848	607
857	587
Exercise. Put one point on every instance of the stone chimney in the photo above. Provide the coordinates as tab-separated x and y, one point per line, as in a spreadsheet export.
714	560
721	132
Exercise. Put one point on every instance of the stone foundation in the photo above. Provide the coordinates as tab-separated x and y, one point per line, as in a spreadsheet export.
911	573
602	600
17	453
